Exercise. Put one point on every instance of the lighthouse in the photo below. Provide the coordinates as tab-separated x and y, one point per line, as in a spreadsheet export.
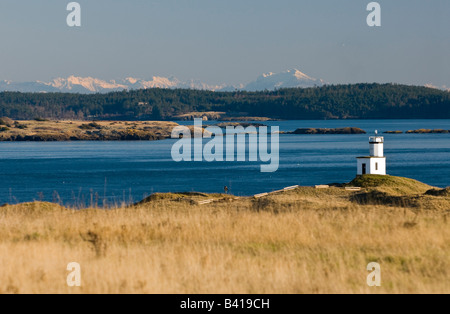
376	162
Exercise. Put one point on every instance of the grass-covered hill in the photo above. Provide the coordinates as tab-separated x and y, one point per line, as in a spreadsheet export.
363	101
390	184
399	191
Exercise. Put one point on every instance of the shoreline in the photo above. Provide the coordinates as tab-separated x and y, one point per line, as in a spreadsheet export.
41	130
363	190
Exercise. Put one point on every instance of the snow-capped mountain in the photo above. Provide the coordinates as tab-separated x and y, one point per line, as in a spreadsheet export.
287	79
163	82
86	85
444	88
71	84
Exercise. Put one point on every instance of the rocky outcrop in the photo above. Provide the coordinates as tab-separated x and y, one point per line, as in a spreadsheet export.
329	131
427	131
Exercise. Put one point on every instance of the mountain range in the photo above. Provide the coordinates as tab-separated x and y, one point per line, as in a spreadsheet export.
87	85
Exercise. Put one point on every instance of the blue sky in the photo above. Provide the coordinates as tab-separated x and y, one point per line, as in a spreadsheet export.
230	41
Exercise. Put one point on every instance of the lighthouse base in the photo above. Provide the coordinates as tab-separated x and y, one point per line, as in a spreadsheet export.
371	165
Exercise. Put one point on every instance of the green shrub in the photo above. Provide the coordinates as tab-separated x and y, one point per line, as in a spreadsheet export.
40	119
21	126
90	126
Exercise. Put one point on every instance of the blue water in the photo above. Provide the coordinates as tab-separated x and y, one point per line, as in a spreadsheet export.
86	173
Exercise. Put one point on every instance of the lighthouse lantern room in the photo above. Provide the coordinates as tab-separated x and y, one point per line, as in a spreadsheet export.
376	162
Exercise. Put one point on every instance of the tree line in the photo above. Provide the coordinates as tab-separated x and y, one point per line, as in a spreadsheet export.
357	101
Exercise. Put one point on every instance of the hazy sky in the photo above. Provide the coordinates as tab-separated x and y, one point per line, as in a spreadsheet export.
227	41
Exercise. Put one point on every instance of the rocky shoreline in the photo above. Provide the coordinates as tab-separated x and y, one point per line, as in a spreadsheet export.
328	131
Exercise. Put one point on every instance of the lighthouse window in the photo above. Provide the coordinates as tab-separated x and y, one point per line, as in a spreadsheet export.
376	166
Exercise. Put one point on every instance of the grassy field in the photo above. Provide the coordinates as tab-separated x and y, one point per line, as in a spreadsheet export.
302	241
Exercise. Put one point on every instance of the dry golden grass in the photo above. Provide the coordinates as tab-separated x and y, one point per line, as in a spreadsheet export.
84	130
303	241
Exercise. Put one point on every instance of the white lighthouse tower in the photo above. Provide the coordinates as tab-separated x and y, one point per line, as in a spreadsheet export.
376	162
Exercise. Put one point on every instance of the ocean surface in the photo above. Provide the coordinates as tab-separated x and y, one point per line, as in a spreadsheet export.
97	173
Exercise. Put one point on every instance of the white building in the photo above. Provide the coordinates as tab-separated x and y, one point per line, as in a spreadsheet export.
376	162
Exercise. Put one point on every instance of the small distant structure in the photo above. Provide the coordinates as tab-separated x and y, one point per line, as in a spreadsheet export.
376	162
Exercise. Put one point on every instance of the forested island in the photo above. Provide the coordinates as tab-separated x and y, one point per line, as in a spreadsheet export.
358	101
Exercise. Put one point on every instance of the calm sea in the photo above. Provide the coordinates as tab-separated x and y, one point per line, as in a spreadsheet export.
85	173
